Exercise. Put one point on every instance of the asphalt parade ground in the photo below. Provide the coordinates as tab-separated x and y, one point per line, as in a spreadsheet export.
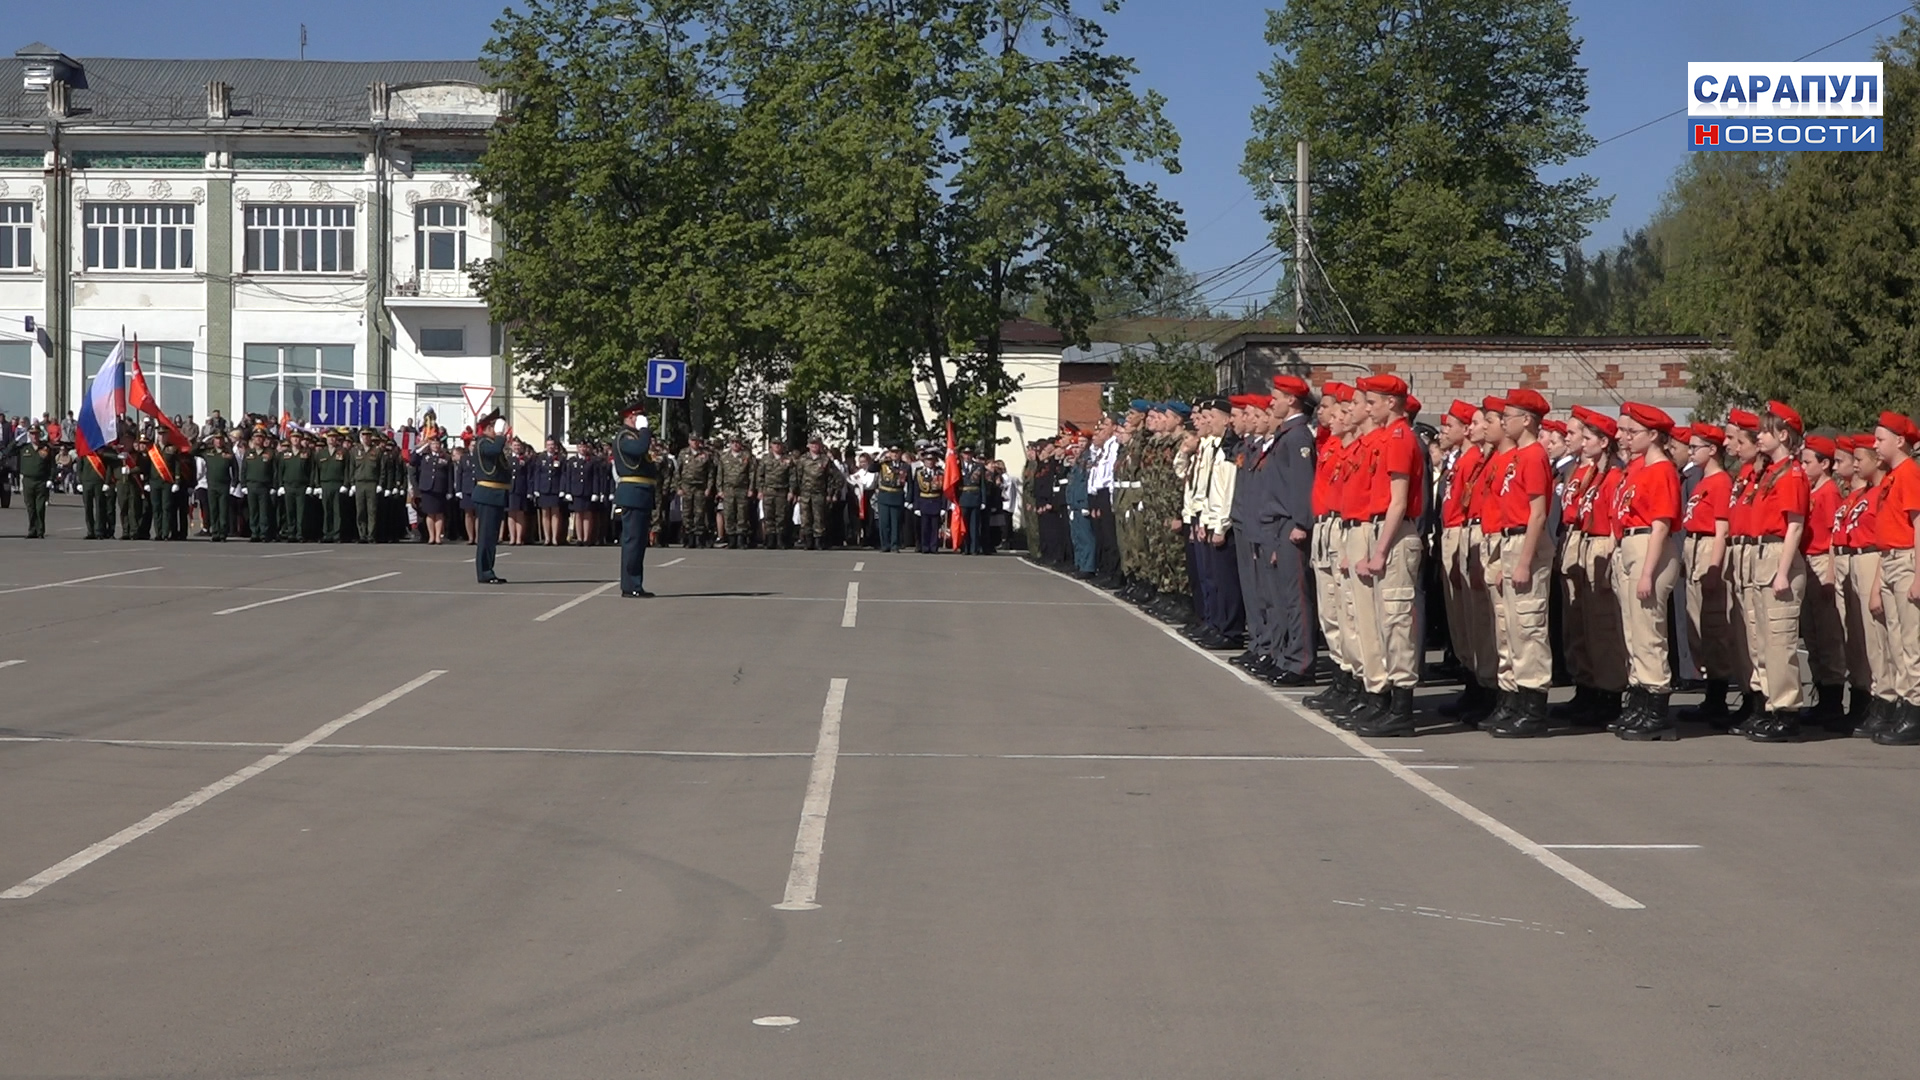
303	811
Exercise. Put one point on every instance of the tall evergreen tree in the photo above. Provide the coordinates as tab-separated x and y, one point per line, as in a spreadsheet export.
1430	123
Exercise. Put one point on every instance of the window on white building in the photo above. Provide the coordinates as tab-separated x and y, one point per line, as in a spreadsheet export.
443	340
440	236
16	236
299	239
16	379
139	236
168	366
279	377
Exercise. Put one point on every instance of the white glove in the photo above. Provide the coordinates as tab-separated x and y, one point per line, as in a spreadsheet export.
642	425
566	497
349	489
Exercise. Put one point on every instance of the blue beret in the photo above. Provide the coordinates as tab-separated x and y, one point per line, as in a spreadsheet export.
1180	407
1140	405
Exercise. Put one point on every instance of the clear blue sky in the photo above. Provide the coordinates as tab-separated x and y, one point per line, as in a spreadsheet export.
1203	55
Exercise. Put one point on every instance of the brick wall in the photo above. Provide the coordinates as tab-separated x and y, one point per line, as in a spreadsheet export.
1602	372
1083	393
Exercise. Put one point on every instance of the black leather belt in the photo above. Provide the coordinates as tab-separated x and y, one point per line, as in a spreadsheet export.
1740	541
1642	531
1517	530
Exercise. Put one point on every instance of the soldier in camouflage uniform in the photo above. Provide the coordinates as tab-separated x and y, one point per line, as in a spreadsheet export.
698	470
736	473
1163	540
816	484
1127	497
774	480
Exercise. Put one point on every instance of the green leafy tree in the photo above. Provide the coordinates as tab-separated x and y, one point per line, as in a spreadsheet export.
1171	370
1430	123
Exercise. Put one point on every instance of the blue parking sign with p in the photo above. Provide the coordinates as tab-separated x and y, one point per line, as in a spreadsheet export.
666	378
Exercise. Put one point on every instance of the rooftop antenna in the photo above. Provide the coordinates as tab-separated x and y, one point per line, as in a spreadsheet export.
303	41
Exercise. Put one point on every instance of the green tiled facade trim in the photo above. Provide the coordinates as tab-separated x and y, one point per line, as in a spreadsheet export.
301	162
23	160
445	160
108	159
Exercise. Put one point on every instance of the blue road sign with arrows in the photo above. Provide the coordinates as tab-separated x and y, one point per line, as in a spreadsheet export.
347	408
666	378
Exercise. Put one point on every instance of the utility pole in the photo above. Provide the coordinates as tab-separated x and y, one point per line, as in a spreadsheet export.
1301	198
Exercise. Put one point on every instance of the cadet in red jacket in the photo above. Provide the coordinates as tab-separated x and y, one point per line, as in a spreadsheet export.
1705	549
1897	503
1820	626
1777	584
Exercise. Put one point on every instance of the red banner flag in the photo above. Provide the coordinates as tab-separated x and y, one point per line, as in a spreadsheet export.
952	487
141	399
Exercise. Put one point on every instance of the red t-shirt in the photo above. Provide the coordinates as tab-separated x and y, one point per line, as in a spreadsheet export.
1846	518
1486	492
1709	504
1356	487
1398	453
1782	491
1650	493
1528	475
1897	500
1746	488
1572	495
1823	504
1326	476
1453	510
1596	505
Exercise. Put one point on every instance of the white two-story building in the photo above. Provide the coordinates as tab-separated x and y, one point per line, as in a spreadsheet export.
265	227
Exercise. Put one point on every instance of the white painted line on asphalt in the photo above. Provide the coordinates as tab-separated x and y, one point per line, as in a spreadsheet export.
1501	921
1598	889
859	566
673	562
853	604
803	878
775	1021
309	592
10	663
227	783
1431	767
1402	750
78	580
293	554
1621	847
576	601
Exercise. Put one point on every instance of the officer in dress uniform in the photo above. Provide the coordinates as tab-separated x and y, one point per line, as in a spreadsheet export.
972	500
890	498
1283	528
636	482
492	477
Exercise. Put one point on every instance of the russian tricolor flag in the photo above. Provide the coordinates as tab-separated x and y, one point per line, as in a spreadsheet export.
99	420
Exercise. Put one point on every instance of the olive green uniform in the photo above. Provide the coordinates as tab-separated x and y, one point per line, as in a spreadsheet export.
130	491
774	480
736	484
258	474
330	475
218	467
364	472
296	476
698	472
816	481
96	494
36	473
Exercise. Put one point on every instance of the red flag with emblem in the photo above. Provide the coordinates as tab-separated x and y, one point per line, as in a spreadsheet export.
952	488
141	398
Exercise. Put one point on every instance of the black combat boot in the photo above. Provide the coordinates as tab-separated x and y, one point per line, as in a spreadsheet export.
1606	711
1879	717
1577	710
1714	709
1504	704
1752	707
1396	721
1325	699
1650	721
1829	710
1470	692
1857	703
1771	726
1526	720
1372	709
1905	729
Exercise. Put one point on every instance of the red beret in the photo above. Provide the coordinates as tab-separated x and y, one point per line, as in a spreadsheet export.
1382	384
1413	405
1683	434
1822	445
1529	400
1785	412
1647	416
1260	401
1709	433
1493	404
1462	411
1338	391
1602	423
1843	444
1743	419
1900	424
1292	385
1863	441
1240	401
1558	427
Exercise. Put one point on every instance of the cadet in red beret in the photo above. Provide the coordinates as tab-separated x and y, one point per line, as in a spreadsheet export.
1293	386
1776	585
1646	515
1742	534
1469	617
1383	558
1338	450
1869	665
1591	638
1821	627
1897	503
1706	527
1520	562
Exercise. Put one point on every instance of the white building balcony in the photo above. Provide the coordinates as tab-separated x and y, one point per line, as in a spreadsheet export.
434	288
